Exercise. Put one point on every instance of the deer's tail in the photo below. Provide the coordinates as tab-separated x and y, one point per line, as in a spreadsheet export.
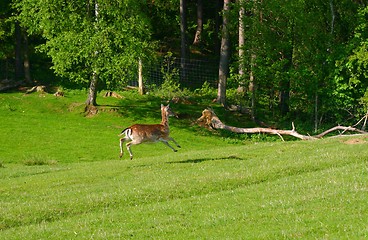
127	132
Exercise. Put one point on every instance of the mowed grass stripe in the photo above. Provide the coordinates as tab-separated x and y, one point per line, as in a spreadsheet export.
291	206
85	188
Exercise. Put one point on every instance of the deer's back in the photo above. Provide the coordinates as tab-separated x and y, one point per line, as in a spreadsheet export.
149	132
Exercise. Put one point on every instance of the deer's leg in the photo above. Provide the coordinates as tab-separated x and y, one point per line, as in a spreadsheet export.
121	147
167	144
172	139
130	151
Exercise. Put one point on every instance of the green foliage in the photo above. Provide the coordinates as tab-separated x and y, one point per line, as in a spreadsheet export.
234	96
170	73
80	42
314	50
285	54
357	64
206	91
6	30
364	100
7	47
170	87
351	71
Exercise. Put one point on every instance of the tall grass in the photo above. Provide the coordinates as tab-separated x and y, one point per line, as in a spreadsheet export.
210	189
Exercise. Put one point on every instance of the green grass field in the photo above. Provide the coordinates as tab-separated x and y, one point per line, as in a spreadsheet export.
61	177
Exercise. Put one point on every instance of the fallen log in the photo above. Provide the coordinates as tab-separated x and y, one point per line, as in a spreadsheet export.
39	89
59	94
210	120
112	94
344	129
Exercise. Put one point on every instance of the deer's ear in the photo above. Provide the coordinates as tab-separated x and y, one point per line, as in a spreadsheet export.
162	105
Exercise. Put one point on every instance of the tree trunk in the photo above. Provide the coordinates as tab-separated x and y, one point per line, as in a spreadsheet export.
18	52
284	102
198	34
332	16
217	27
252	85
183	29
140	78
224	56
284	96
257	16
241	42
22	66
316	112
92	93
26	64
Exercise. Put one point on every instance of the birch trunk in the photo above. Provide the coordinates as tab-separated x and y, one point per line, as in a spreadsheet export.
224	56
198	34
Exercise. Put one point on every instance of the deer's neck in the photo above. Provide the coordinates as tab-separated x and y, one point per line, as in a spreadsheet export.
165	119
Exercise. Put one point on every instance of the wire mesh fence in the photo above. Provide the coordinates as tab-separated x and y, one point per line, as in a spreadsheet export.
189	73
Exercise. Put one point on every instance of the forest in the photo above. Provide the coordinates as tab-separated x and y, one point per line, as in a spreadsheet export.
277	60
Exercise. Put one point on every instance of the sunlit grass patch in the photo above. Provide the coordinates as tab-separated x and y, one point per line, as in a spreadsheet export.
37	160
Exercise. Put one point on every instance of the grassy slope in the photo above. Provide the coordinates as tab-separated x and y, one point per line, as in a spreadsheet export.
209	189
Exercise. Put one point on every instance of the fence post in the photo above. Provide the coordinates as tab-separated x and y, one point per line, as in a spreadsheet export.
140	78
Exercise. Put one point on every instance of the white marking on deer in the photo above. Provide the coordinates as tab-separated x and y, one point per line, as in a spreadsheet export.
144	133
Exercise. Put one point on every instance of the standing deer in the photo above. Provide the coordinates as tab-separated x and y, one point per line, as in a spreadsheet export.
141	133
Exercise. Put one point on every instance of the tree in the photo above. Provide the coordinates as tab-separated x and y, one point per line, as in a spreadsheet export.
351	74
198	33
255	23
224	55
92	93
87	48
14	50
300	59
241	40
183	37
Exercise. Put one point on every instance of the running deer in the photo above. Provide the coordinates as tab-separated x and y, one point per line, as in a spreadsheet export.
145	133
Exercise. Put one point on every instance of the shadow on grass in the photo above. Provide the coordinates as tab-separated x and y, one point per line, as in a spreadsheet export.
140	108
199	160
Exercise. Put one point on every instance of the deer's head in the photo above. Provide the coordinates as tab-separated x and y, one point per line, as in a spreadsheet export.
167	110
